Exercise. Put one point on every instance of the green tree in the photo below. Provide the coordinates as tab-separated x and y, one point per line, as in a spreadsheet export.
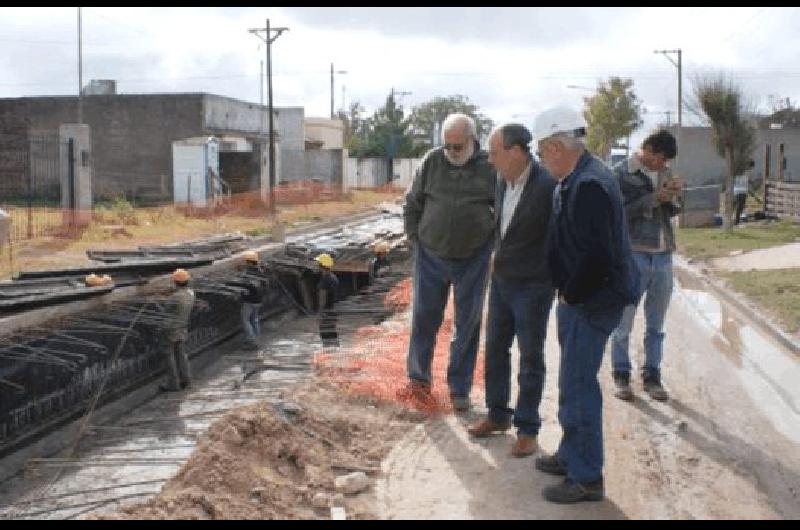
386	134
611	114
722	104
353	123
428	117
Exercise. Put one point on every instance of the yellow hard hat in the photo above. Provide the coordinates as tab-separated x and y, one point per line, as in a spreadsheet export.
325	260
181	276
250	255
381	247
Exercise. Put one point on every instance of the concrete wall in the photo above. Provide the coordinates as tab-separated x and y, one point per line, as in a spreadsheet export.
324	165
372	172
329	132
132	134
699	164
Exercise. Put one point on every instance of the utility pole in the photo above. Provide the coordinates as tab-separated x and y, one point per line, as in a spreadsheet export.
393	140
80	70
332	72
678	65
261	96
269	39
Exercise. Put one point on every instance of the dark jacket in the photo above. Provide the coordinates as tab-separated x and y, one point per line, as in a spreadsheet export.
254	283
521	255
450	209
179	306
589	247
647	218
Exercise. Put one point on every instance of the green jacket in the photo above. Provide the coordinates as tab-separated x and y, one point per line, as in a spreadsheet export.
450	209
179	307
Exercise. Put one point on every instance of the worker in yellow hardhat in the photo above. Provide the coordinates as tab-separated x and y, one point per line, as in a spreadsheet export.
326	296
178	307
254	283
381	251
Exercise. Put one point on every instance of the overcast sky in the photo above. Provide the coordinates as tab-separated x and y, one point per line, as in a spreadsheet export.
512	62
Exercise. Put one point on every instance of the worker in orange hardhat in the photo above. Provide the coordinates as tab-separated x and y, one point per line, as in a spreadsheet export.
254	285
178	307
326	296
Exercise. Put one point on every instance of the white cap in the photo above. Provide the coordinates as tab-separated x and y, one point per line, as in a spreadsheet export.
560	120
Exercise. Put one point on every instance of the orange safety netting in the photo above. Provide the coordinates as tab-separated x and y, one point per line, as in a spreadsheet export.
375	364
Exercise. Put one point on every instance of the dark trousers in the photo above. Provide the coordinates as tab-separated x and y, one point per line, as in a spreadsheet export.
178	374
741	199
327	329
521	310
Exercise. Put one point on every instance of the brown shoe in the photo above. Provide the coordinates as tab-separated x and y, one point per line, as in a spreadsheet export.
485	427
524	446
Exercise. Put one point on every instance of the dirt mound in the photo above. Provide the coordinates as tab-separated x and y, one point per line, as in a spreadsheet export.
270	461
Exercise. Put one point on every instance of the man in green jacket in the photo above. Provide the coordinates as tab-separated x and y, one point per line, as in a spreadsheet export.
179	308
449	220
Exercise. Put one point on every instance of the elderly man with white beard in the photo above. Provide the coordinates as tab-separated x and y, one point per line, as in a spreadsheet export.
449	220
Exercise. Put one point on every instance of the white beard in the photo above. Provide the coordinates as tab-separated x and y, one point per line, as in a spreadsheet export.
462	157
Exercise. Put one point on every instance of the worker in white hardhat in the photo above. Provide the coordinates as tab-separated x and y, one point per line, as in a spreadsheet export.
594	274
178	308
327	286
254	283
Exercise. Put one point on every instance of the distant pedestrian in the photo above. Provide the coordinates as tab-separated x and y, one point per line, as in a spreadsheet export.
521	291
449	221
595	276
651	197
178	308
741	187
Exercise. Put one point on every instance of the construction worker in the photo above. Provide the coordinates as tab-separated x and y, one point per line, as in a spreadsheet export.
178	307
252	298
326	297
381	250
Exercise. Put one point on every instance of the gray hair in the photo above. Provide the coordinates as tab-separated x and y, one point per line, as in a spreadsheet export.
573	144
456	120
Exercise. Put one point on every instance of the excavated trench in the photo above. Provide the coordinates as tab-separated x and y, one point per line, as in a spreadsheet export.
57	363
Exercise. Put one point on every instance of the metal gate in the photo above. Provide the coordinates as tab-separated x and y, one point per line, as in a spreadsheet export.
31	169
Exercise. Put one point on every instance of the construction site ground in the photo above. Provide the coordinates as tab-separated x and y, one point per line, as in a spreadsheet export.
725	446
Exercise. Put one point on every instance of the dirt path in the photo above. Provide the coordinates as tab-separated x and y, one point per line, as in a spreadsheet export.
726	446
780	257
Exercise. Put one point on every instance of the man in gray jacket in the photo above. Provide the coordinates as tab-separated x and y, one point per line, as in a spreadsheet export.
651	199
448	216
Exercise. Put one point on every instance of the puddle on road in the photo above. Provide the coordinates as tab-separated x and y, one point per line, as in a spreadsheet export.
768	374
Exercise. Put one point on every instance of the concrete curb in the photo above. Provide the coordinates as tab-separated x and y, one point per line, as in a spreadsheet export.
746	309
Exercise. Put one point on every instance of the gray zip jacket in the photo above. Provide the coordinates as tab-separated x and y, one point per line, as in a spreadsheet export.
647	218
450	209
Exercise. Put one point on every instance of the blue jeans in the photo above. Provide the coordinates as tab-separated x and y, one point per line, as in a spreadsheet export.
519	309
656	280
432	278
250	321
583	339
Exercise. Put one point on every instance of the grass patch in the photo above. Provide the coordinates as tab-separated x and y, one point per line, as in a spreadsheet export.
705	243
778	291
167	224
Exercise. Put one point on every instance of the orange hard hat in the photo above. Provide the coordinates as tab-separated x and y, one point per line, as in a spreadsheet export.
250	255
181	276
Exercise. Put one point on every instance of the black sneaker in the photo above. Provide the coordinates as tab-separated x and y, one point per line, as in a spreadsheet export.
652	385
569	492
622	380
551	465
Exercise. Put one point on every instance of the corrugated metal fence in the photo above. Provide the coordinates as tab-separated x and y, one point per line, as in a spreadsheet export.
31	169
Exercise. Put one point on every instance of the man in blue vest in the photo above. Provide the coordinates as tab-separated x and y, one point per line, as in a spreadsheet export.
594	274
521	291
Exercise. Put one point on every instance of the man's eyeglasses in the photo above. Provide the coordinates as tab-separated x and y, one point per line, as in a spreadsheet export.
453	147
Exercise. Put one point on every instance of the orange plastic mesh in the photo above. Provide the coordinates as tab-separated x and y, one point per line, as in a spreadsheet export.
375	364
